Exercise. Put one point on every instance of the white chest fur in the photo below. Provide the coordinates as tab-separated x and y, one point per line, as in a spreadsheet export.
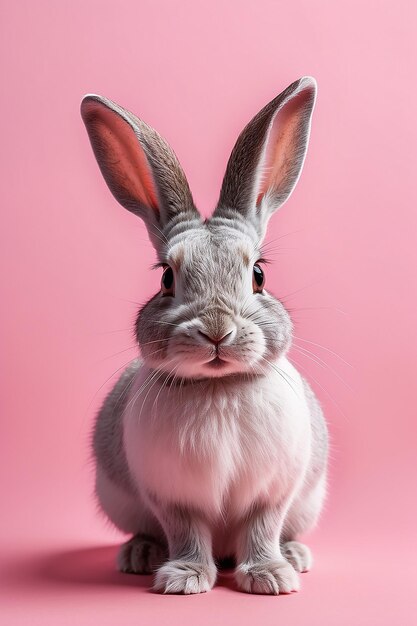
218	445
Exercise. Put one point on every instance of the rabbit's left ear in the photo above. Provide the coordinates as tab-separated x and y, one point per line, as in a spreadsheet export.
268	157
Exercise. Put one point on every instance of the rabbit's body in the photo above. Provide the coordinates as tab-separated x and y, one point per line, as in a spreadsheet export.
219	446
213	445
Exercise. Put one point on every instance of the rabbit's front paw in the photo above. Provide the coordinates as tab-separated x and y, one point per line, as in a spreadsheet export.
185	577
299	555
268	577
141	555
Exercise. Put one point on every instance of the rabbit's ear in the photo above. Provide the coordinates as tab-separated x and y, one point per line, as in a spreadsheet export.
268	157
140	168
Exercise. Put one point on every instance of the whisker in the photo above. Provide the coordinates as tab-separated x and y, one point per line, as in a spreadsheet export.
316	308
293	232
283	374
154	341
155	352
155	402
158	377
120	352
293	293
308	375
119	330
319	361
323	348
173	378
123	395
150	380
142	387
140	304
125	365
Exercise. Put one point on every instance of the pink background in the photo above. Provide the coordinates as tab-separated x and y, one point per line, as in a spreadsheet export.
75	265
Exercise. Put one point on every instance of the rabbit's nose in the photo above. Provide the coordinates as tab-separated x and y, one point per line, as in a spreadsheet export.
215	339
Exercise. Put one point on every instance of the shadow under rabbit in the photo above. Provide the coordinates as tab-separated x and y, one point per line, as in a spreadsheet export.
88	567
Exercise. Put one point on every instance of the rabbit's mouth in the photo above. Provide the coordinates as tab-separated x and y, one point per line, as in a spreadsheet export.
216	362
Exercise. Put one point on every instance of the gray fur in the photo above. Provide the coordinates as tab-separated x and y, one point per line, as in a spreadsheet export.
215	244
213	260
191	568
174	199
108	431
142	554
239	188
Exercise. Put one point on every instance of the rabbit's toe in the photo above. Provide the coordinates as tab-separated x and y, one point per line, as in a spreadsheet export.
141	555
185	577
269	577
299	555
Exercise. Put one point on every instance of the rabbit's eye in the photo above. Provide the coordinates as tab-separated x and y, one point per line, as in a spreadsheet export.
167	282
258	280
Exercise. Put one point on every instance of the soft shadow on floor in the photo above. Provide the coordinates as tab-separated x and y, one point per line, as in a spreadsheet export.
90	567
85	567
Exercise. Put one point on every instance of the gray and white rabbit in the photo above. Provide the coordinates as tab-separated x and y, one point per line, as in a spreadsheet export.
212	445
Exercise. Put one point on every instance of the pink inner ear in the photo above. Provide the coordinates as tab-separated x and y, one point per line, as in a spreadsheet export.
127	167
283	143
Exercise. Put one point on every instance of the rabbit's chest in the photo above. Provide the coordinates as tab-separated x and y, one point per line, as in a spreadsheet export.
219	449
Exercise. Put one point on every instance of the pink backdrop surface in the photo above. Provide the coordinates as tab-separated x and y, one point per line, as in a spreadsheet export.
75	265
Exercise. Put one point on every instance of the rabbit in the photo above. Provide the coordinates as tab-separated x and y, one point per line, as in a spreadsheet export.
211	446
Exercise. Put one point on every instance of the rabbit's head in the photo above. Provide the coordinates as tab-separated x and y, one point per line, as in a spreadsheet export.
213	315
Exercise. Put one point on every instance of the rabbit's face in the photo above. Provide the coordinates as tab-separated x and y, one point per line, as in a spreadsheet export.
213	316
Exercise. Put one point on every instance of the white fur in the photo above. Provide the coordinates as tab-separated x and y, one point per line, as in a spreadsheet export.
216	450
299	555
185	577
273	578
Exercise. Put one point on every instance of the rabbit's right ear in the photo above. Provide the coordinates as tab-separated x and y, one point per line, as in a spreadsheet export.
140	168
268	157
